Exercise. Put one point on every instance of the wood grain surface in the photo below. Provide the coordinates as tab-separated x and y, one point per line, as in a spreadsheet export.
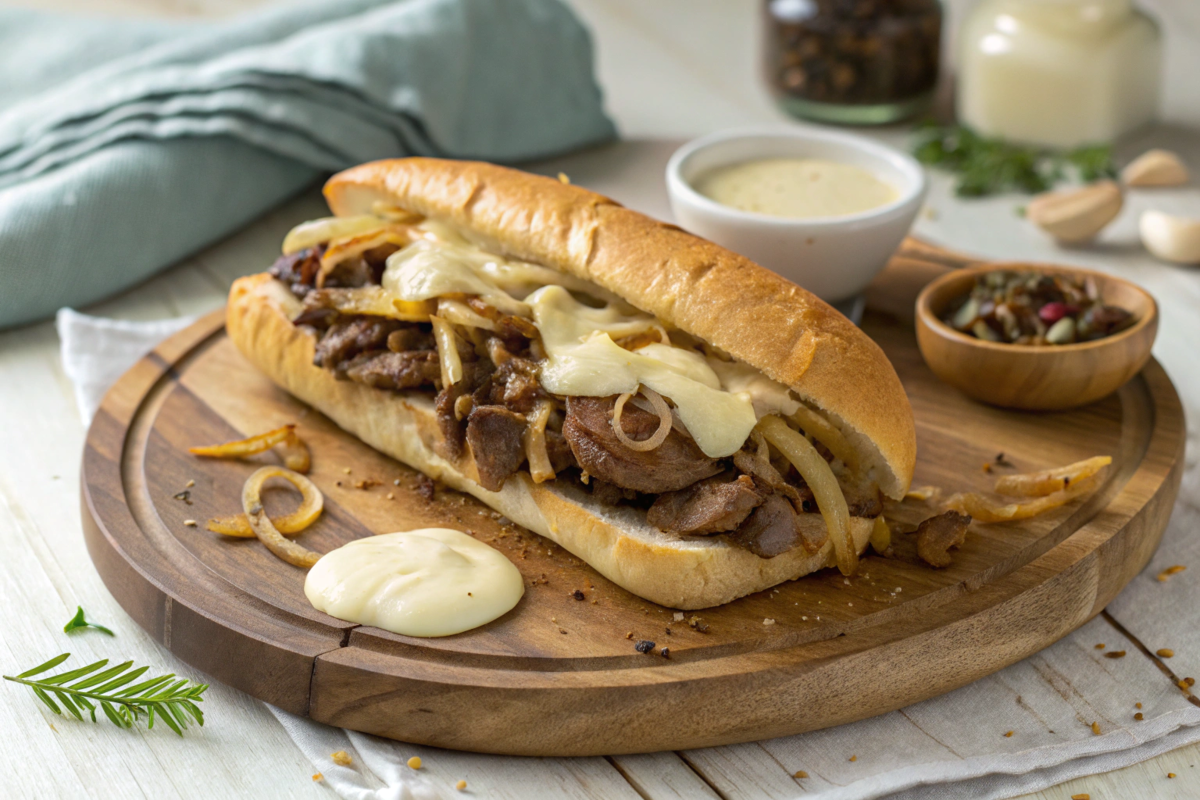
896	633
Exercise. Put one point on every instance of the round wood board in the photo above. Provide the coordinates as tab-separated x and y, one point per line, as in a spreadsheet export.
558	676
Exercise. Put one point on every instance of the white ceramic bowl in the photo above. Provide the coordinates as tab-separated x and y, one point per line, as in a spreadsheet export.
833	257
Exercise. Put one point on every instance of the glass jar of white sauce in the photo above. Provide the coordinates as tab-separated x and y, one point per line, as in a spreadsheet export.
1059	73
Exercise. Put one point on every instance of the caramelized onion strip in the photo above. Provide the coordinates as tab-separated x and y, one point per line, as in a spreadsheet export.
295	452
447	345
1047	482
881	536
464	315
377	302
260	523
820	478
665	421
534	437
824	432
250	446
985	509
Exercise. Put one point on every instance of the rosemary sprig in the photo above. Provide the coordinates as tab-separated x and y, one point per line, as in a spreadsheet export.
986	166
172	701
78	622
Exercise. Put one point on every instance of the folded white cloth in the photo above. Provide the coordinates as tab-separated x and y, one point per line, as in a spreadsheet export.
952	746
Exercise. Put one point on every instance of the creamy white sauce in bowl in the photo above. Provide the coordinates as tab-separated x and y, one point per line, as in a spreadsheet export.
797	188
831	235
426	582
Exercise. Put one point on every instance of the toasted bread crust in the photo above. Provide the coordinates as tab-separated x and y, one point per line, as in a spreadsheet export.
684	573
746	310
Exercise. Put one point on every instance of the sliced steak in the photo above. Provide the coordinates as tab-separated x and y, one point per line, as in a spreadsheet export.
299	270
475	374
864	501
709	506
610	494
559	452
495	433
352	273
770	530
671	466
386	370
348	337
514	384
767	477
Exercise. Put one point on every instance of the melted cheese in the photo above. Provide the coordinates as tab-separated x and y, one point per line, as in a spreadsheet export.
428	582
584	360
718	401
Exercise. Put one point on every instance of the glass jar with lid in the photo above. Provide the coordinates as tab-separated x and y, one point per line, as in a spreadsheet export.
1058	73
858	62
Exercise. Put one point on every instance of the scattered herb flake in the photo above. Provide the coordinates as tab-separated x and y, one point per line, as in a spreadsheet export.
987	166
78	622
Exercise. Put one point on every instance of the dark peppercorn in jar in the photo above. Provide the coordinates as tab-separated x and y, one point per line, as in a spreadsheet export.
857	62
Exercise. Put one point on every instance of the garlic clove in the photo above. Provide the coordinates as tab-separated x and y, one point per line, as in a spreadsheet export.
1174	239
1155	168
1076	215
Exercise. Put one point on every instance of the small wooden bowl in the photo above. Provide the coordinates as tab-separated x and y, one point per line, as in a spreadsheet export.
1045	378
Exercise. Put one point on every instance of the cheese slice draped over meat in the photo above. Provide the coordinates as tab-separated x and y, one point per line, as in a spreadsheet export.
718	401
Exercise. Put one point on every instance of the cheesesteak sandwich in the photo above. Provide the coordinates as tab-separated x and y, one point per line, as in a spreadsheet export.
693	426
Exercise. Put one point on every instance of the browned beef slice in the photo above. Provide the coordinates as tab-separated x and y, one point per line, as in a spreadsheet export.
353	273
386	370
475	374
449	425
348	337
709	506
559	451
770	529
494	433
864	502
410	337
767	477
520	382
671	466
610	494
299	270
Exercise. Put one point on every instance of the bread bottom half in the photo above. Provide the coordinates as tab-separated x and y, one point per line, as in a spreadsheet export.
678	572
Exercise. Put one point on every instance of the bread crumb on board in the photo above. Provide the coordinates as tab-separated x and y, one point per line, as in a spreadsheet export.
461	786
341	758
800	774
318	776
414	762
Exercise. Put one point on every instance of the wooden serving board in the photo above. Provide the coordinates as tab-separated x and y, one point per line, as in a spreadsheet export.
560	676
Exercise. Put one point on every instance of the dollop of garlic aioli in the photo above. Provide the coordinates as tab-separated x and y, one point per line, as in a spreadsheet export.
426	582
800	188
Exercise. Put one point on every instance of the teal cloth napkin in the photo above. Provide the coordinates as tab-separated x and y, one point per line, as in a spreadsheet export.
126	145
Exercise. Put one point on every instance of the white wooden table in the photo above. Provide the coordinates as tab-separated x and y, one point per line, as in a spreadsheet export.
671	69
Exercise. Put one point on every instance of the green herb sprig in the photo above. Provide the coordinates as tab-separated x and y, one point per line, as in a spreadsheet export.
170	700
78	622
986	166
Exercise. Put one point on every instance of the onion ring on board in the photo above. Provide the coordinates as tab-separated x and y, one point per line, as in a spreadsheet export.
261	524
